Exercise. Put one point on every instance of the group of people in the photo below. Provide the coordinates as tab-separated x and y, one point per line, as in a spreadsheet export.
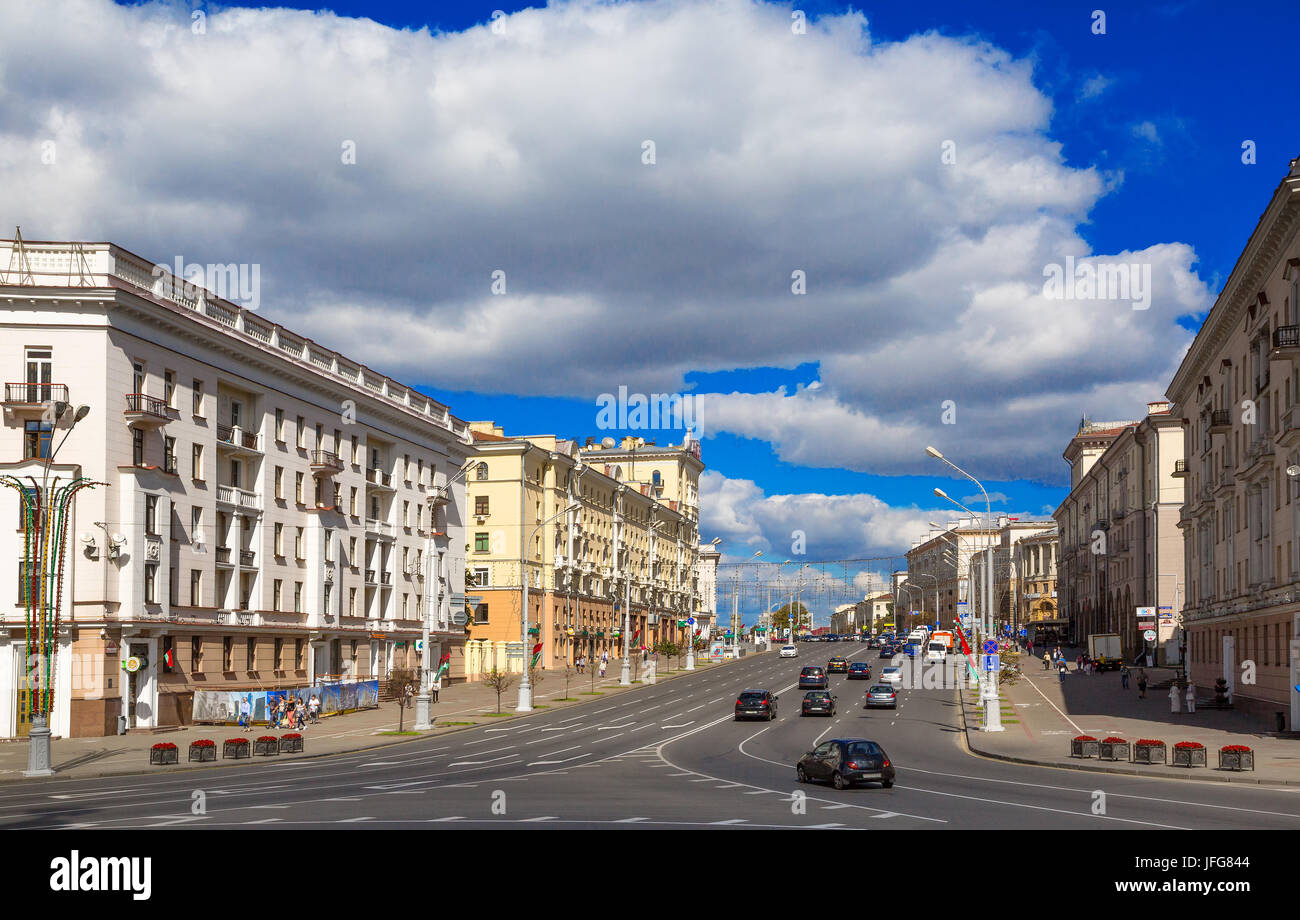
581	663
285	713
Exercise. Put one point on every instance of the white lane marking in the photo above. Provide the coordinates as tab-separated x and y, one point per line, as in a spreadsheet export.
356	820
828	826
169	820
561	729
78	795
383	763
545	818
414	782
265	821
465	763
343	798
492	750
689	711
732	821
571	719
681	725
563	750
450	818
565	760
610	728
630	820
1054	706
1060	811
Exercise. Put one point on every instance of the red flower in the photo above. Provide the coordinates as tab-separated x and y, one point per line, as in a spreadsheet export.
236	741
292	735
1151	741
1188	745
268	738
1235	749
205	742
1085	738
164	746
1114	740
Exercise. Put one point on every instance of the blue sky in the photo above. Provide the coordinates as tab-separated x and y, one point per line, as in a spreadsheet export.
1134	136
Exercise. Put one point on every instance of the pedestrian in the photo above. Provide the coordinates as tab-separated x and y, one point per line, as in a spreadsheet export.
1142	684
1123	676
313	707
300	713
1060	671
1078	662
1174	705
1191	696
603	662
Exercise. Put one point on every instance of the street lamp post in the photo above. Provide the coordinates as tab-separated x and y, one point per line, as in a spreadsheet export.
690	632
525	686
989	691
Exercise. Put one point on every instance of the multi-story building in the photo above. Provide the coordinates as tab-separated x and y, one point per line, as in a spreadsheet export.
1241	507
706	609
588	540
1034	602
1121	548
939	566
269	512
1024	563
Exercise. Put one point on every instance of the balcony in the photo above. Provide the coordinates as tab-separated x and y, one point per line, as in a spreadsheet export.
1288	432
379	480
28	400
370	577
325	463
1220	421
385	578
223	555
1286	343
147	411
1117	514
239	498
246	557
379	528
234	440
1259	458
1180	469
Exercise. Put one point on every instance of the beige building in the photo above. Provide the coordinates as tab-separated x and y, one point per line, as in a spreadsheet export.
1034	601
1238	395
1121	548
271	513
941	561
1021	547
628	542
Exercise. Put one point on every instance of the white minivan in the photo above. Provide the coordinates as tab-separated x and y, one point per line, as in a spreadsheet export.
936	651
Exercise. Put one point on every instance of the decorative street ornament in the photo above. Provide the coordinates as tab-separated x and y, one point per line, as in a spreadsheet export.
45	533
135	663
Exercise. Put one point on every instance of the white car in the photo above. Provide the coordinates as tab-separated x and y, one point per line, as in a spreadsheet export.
892	676
789	651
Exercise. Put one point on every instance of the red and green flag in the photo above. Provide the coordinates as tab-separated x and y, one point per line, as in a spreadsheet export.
444	665
537	653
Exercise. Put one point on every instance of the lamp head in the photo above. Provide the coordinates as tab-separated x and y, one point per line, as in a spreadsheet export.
941	493
934	453
60	407
82	412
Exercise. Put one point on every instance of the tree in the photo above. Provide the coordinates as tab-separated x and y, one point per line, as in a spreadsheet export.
568	674
401	685
781	617
500	681
535	677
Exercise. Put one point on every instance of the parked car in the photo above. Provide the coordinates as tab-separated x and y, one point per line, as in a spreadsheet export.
845	761
813	678
756	704
818	702
859	670
881	696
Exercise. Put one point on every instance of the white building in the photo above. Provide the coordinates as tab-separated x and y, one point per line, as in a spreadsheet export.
270	512
706	614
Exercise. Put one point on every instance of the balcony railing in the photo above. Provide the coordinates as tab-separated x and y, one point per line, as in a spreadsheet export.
239	498
1220	420
326	461
246	556
379	477
383	528
370	576
140	404
223	555
35	393
237	437
385	577
1286	337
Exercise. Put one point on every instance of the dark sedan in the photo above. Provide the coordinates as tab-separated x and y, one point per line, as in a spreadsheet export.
845	761
813	678
859	670
887	651
818	702
756	704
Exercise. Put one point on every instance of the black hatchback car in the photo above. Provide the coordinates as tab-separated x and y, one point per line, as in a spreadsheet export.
845	761
813	678
818	702
756	704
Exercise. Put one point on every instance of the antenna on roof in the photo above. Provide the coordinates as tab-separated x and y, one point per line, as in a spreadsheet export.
79	261
19	254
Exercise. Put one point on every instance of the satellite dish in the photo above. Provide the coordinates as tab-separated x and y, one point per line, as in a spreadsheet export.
1293	471
607	443
119	539
88	538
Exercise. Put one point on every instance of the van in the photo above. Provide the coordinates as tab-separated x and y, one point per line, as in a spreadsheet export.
936	651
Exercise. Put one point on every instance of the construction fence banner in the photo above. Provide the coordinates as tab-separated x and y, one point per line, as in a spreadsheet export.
223	705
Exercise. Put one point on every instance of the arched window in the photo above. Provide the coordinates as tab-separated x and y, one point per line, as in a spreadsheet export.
480	471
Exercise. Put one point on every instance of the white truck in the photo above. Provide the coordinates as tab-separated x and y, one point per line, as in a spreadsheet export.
1104	648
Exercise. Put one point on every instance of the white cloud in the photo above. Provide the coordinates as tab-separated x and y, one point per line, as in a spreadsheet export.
1147	131
1094	87
994	498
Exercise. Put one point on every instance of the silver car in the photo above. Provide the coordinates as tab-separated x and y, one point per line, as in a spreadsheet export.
881	696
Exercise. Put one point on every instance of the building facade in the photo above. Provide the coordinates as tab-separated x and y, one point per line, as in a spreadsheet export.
939	570
269	512
1121	545
1237	392
589	542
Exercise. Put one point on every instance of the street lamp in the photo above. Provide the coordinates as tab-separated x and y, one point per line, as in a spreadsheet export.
45	522
525	687
690	633
989	689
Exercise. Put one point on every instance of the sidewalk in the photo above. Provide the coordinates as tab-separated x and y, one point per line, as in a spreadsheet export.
1041	715
459	706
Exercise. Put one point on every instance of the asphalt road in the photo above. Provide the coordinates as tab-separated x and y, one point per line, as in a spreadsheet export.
665	755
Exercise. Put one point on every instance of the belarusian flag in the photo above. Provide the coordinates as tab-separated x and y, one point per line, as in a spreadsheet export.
444	665
634	635
537	653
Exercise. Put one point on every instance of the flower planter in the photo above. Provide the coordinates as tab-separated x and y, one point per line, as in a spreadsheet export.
1084	746
203	751
1189	754
1113	750
1243	758
236	748
1153	752
165	753
266	745
291	744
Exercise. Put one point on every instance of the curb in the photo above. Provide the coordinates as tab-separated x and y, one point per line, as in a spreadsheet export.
28	780
1085	767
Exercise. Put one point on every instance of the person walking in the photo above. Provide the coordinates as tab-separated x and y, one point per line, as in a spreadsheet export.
1191	696
1060	671
1142	684
1123	676
300	713
313	708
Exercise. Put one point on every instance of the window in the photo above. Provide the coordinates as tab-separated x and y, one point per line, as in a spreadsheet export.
297	597
480	472
406	468
352	602
405	604
196	462
481	578
481	542
169	454
352	551
137	377
40	374
279	425
227	654
277	590
355	451
374	507
36	442
23	583
406	514
197	387
196	525
419	471
151	515
297	654
352	502
329	546
406	559
320	436
297	487
151	583
250	654
279	539
480	504
481	614
316	492
196	588
298	548
301	431
328	595
237	473
278	660
169	389
279	482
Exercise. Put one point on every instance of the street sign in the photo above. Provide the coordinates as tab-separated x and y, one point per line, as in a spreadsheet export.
458	617
691	620
515	650
419	645
1149	635
472	599
992	663
990	647
1023	631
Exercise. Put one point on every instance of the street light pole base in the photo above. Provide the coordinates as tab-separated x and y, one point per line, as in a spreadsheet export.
422	713
525	700
39	762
